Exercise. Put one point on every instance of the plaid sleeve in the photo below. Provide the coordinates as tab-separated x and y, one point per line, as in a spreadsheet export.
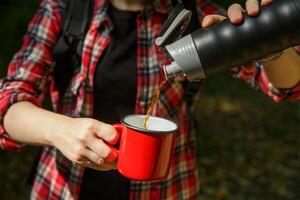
27	78
259	80
208	7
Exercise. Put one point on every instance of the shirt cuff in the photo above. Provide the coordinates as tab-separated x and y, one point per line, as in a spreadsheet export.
258	79
7	99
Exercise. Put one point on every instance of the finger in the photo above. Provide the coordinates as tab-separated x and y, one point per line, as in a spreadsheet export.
99	147
109	165
106	132
266	2
210	20
102	167
93	157
252	7
112	156
235	13
97	167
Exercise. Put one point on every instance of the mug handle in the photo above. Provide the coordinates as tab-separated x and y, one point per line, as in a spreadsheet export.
114	151
120	129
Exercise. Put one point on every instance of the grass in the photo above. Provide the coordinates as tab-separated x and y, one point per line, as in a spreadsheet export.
14	170
248	146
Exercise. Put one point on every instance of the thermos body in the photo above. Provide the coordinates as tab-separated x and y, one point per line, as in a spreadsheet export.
225	45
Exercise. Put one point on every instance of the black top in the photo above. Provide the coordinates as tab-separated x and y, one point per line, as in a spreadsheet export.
115	93
116	74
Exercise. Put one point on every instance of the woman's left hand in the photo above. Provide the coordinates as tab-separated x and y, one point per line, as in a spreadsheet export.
235	15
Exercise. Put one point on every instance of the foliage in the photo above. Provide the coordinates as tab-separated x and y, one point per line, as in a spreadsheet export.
248	145
14	17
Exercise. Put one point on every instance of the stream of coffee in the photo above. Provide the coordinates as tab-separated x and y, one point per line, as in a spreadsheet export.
154	99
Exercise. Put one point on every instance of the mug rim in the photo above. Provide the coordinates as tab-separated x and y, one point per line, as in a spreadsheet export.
173	131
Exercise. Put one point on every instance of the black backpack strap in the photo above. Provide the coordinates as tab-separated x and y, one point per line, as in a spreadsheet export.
189	5
191	87
68	49
77	21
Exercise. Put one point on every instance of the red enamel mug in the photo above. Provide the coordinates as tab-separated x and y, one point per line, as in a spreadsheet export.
144	154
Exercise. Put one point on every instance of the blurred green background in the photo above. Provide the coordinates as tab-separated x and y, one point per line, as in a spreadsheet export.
248	146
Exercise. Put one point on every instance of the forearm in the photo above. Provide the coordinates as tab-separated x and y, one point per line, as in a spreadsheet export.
29	124
284	72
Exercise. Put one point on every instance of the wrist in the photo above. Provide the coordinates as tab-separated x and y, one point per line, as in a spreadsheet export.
59	125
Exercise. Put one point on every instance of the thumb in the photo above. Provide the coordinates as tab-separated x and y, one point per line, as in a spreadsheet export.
211	20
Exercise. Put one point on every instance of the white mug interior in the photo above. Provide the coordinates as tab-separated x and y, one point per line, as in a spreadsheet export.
154	124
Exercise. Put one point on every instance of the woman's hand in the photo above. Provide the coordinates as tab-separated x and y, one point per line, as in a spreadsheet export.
281	77
85	141
235	13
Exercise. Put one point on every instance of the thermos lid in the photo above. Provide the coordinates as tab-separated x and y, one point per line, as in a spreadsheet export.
174	26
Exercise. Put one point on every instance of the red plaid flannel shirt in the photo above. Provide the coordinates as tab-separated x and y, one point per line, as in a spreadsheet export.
29	78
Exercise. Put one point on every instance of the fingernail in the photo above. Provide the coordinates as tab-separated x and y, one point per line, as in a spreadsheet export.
101	161
112	156
236	19
252	12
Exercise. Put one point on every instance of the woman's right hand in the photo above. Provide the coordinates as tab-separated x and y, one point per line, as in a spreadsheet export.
84	141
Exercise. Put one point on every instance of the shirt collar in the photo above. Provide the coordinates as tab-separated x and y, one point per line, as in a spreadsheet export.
163	6
160	6
100	9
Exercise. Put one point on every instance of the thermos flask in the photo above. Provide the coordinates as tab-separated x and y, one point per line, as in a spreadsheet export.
208	51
